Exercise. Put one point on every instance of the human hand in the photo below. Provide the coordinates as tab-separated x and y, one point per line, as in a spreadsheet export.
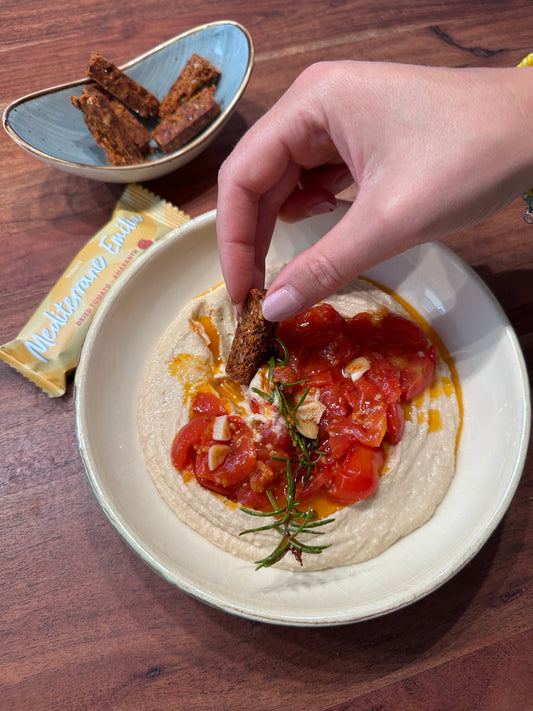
432	150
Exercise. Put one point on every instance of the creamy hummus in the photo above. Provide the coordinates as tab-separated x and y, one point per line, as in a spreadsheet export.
417	473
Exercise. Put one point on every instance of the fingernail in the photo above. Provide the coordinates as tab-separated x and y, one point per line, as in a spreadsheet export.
320	208
283	303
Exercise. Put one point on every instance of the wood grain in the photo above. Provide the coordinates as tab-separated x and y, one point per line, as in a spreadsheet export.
84	623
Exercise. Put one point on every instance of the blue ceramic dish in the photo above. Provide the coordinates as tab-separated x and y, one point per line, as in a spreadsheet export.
47	125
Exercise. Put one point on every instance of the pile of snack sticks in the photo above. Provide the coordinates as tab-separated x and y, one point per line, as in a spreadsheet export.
114	106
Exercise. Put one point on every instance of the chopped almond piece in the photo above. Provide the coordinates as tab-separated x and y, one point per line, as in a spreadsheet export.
308	416
216	455
221	429
356	368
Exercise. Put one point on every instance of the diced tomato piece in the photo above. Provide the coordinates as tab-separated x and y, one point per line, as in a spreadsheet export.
384	377
272	441
397	335
334	398
369	412
239	463
342	435
229	491
395	423
284	374
257	500
189	435
321	380
320	477
208	404
317	319
361	329
356	477
416	375
337	351
405	345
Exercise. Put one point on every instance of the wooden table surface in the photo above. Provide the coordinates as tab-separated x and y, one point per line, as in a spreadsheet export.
84	623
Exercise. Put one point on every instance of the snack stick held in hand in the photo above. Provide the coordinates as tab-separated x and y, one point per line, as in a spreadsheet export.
253	341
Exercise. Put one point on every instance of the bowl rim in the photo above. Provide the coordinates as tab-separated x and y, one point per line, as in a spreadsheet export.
163	160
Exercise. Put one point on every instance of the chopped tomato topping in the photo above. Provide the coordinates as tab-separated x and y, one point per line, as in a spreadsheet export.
186	440
317	340
284	374
208	404
417	373
356	476
384	377
238	464
342	435
395	423
360	370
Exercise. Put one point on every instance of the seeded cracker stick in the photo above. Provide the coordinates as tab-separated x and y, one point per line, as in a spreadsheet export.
139	134
187	121
253	342
107	129
137	131
195	75
49	345
123	87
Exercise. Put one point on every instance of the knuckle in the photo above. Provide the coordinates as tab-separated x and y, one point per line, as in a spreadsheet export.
226	170
315	73
326	274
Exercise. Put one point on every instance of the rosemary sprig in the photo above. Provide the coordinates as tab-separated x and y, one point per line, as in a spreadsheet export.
289	520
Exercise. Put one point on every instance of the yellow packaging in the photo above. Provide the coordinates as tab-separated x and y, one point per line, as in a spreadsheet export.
49	346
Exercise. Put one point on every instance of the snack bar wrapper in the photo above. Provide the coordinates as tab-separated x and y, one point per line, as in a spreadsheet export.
49	346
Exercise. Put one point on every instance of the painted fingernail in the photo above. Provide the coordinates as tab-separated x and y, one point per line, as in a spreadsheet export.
283	303
320	208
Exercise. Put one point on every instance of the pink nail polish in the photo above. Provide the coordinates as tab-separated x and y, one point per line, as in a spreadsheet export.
283	303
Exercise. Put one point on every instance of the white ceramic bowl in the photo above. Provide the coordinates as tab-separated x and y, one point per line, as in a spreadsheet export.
491	453
47	125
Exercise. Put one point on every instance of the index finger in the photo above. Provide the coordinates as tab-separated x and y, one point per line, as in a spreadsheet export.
253	183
